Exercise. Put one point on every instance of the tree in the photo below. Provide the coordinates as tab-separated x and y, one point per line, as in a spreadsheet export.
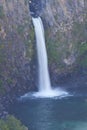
11	123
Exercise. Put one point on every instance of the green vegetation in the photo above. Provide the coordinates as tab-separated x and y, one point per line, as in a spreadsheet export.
52	48
83	61
83	48
2	89
53	54
31	34
29	49
62	45
11	123
2	54
9	81
1	86
83	54
20	29
1	12
27	35
80	43
29	44
57	49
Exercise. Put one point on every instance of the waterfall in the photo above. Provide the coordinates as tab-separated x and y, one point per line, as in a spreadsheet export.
44	79
44	87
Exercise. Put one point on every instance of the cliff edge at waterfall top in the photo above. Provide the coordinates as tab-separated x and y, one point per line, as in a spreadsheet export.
35	8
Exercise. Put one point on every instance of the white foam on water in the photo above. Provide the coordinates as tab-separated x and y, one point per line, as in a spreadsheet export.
50	94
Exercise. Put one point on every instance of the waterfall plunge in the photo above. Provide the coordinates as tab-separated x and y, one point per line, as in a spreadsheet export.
44	80
45	89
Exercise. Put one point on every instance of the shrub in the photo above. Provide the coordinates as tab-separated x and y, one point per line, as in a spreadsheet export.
11	123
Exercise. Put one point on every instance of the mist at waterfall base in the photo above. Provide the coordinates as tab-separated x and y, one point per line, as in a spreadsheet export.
44	86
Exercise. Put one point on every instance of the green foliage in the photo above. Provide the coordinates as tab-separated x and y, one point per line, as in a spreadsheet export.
29	44
31	34
61	45
2	54
1	12
2	89
3	125
20	29
83	48
9	81
78	30
55	48
29	49
11	123
28	39
53	53
83	61
1	83
51	47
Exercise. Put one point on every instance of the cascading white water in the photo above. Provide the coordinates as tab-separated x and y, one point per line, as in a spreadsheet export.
44	80
45	89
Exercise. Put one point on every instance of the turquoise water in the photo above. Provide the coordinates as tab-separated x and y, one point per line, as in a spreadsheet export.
68	113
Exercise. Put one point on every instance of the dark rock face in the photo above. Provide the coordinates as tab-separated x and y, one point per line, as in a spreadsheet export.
35	7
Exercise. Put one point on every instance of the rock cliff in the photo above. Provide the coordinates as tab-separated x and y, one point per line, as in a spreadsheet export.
66	33
16	45
65	23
